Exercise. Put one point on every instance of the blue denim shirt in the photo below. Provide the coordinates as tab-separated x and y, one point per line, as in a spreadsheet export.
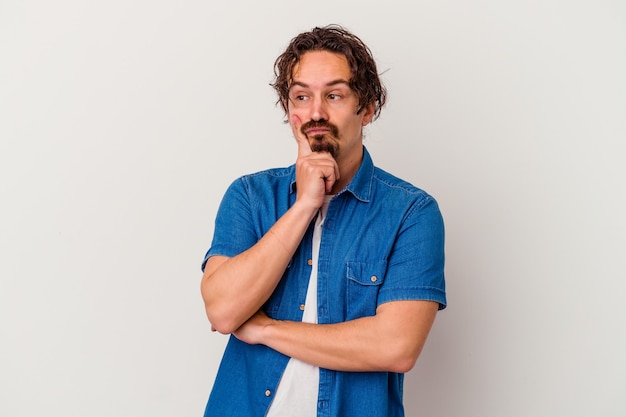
383	240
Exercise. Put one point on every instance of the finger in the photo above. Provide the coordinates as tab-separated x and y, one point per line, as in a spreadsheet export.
329	180
304	148
328	183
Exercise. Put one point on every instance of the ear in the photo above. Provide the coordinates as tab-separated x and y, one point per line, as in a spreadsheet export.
368	113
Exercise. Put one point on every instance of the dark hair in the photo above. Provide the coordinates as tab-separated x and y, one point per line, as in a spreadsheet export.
364	81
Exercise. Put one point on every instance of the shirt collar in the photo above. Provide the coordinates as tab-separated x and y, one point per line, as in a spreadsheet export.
360	186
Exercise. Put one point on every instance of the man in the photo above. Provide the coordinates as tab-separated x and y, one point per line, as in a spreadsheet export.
328	274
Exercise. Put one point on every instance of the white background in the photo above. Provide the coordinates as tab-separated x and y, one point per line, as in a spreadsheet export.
123	122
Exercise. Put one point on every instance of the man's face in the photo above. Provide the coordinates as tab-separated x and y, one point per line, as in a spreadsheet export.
320	96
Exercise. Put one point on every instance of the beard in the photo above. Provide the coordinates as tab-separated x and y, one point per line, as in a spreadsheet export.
322	143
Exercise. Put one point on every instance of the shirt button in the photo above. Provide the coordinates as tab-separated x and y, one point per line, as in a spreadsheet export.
374	278
302	307
310	262
268	393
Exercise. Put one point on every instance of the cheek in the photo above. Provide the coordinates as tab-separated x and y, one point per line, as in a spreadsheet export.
296	112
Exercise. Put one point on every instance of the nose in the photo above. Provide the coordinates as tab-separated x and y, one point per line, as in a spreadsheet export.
318	110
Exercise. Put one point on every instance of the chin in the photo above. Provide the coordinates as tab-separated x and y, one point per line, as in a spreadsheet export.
321	145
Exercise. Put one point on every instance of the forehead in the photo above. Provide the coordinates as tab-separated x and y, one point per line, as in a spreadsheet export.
317	68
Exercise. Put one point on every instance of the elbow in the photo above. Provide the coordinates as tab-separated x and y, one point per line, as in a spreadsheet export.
222	318
221	321
401	359
402	365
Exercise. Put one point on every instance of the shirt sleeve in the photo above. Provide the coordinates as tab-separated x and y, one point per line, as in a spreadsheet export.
234	229
415	268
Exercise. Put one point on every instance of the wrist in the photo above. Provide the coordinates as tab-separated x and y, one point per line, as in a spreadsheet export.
304	210
266	332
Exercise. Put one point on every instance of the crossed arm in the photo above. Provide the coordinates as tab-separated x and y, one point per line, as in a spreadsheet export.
391	340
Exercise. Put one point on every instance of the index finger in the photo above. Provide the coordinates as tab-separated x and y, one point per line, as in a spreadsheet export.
304	148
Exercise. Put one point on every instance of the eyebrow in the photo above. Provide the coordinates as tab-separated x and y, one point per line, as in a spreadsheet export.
328	84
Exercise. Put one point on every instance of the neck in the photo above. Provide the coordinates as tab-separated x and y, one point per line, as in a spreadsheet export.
347	170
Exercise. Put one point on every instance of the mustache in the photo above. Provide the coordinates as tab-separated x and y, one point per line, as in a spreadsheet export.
312	124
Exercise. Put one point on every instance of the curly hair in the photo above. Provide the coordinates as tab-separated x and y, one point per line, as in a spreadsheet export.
334	38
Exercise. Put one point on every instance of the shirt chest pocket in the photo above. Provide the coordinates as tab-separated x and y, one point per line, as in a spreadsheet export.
364	280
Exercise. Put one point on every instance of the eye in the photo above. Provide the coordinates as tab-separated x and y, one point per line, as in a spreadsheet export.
333	96
299	97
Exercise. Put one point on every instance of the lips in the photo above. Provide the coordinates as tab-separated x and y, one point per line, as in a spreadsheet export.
318	128
316	131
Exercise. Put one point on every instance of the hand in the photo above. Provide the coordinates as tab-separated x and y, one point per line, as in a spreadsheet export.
316	172
250	331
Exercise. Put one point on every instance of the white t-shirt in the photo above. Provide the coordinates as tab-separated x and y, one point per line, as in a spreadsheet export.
296	394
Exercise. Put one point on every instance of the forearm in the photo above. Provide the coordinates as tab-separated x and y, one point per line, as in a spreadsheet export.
389	341
347	346
234	288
